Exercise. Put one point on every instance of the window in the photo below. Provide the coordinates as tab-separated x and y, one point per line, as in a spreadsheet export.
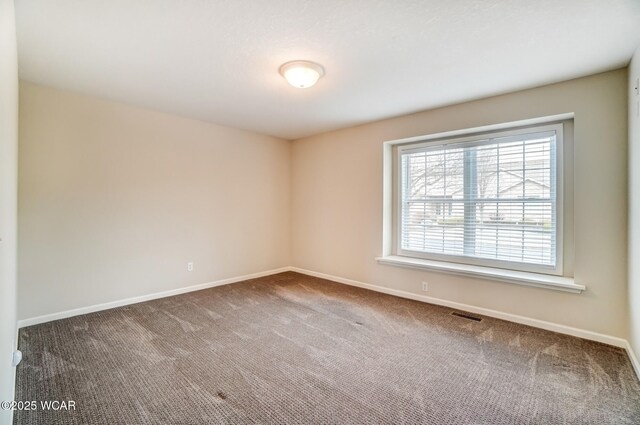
486	199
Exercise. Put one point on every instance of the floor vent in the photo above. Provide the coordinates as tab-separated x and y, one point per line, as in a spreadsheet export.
466	316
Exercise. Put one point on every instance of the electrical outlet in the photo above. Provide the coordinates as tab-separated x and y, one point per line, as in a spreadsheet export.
425	286
189	267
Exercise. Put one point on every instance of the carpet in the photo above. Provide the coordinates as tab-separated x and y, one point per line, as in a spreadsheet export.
294	349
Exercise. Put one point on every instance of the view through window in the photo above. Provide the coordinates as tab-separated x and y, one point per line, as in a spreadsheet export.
492	197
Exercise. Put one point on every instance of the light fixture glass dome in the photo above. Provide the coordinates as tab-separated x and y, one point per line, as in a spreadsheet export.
301	74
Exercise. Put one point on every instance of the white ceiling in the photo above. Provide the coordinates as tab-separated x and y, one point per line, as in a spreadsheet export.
217	60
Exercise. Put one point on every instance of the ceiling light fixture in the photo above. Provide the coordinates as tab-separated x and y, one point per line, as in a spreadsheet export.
301	74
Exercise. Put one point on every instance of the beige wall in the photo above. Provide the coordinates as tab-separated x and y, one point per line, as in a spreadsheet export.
337	203
115	200
8	199
634	204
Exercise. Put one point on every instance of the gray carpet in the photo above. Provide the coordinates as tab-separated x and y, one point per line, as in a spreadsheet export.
293	349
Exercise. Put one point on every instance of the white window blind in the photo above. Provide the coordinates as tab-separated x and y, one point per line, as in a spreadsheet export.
488	199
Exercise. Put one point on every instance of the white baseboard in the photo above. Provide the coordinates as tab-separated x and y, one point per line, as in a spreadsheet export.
133	300
634	359
536	323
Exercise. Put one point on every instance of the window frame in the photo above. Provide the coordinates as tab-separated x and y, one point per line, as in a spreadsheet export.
388	254
440	141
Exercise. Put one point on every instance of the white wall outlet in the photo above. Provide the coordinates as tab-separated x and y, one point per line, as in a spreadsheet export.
17	358
189	267
425	286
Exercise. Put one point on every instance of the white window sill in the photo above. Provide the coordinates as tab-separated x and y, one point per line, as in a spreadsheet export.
558	283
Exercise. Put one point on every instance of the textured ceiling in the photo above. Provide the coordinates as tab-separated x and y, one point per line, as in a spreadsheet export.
217	60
